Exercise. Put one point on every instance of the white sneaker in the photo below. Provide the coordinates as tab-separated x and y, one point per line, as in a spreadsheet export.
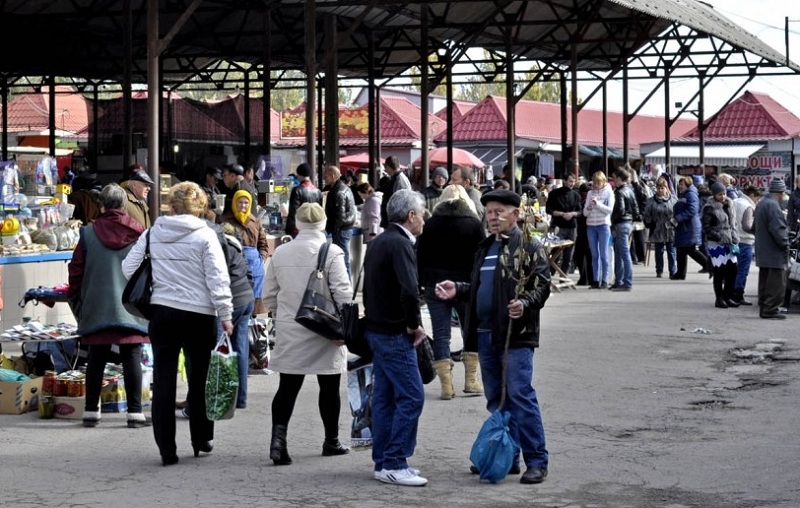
377	474
405	477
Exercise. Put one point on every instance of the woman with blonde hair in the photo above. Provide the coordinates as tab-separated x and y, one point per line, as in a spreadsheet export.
598	208
446	251
191	287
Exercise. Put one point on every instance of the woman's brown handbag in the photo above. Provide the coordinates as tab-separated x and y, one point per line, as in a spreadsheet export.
318	311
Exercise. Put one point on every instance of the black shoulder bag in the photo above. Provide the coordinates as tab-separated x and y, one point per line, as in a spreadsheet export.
139	289
318	311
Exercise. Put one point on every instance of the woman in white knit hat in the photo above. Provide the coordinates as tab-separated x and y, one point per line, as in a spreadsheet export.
298	350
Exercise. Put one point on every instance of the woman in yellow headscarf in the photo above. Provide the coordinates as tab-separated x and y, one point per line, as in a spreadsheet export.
251	233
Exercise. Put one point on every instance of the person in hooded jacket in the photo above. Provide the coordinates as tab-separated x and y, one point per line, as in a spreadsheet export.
688	229
191	288
251	234
95	291
242	294
657	215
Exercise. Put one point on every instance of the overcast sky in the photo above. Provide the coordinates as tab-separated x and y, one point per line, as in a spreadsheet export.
763	18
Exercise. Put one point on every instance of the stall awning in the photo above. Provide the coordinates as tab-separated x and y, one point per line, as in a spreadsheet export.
715	155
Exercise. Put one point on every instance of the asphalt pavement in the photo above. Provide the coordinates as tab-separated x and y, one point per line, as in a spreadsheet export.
641	408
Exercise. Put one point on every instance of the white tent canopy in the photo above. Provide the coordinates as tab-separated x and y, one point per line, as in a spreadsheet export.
715	155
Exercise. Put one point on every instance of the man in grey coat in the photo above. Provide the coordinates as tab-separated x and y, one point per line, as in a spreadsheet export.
772	250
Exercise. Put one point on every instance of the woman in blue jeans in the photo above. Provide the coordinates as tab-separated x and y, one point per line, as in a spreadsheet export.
598	208
446	251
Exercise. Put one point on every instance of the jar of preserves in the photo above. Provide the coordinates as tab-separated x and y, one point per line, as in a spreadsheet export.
49	382
60	389
73	388
47	407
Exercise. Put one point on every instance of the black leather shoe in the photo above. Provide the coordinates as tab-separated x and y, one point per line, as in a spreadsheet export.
534	475
205	447
720	304
744	302
332	447
731	303
169	459
773	315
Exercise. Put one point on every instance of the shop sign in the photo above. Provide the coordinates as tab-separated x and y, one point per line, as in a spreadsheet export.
761	168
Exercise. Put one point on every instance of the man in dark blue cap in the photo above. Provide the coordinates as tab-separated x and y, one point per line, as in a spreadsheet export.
497	303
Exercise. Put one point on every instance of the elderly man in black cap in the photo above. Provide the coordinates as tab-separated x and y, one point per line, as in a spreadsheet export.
137	187
497	303
772	248
233	180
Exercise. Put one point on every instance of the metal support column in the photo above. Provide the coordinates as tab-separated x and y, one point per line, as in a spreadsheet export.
311	83
576	161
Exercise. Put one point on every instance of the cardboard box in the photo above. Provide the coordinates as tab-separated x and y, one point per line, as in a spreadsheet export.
20	397
114	407
69	408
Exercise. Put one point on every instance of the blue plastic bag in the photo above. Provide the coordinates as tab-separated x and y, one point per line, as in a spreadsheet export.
494	450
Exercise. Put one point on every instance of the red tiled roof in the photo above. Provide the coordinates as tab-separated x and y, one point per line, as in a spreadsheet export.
400	119
752	116
30	112
186	118
542	121
229	113
460	108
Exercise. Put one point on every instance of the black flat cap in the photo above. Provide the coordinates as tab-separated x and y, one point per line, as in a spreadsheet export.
214	171
140	175
503	196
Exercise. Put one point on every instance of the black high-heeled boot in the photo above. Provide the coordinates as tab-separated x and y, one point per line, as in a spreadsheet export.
277	448
333	447
205	447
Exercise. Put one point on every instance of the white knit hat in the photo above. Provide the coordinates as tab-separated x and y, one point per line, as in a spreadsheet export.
311	216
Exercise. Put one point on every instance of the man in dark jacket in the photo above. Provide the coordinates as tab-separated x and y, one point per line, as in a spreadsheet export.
772	248
564	205
626	210
305	192
340	208
433	192
394	329
496	302
397	180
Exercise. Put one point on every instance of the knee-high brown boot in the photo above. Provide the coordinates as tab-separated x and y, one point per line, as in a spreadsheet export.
444	370
471	383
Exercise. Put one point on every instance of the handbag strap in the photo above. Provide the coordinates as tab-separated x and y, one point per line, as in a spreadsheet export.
322	256
147	244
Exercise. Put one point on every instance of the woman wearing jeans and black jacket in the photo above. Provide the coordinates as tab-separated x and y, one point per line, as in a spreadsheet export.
191	287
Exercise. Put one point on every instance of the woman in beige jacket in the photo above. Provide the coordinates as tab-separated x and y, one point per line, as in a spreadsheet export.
298	350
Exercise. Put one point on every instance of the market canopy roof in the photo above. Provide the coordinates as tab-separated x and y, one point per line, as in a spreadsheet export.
714	155
85	38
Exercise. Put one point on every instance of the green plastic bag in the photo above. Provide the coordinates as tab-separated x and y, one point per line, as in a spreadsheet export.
222	382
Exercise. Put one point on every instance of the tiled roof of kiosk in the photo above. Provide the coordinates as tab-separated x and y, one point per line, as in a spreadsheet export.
541	121
30	112
752	116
